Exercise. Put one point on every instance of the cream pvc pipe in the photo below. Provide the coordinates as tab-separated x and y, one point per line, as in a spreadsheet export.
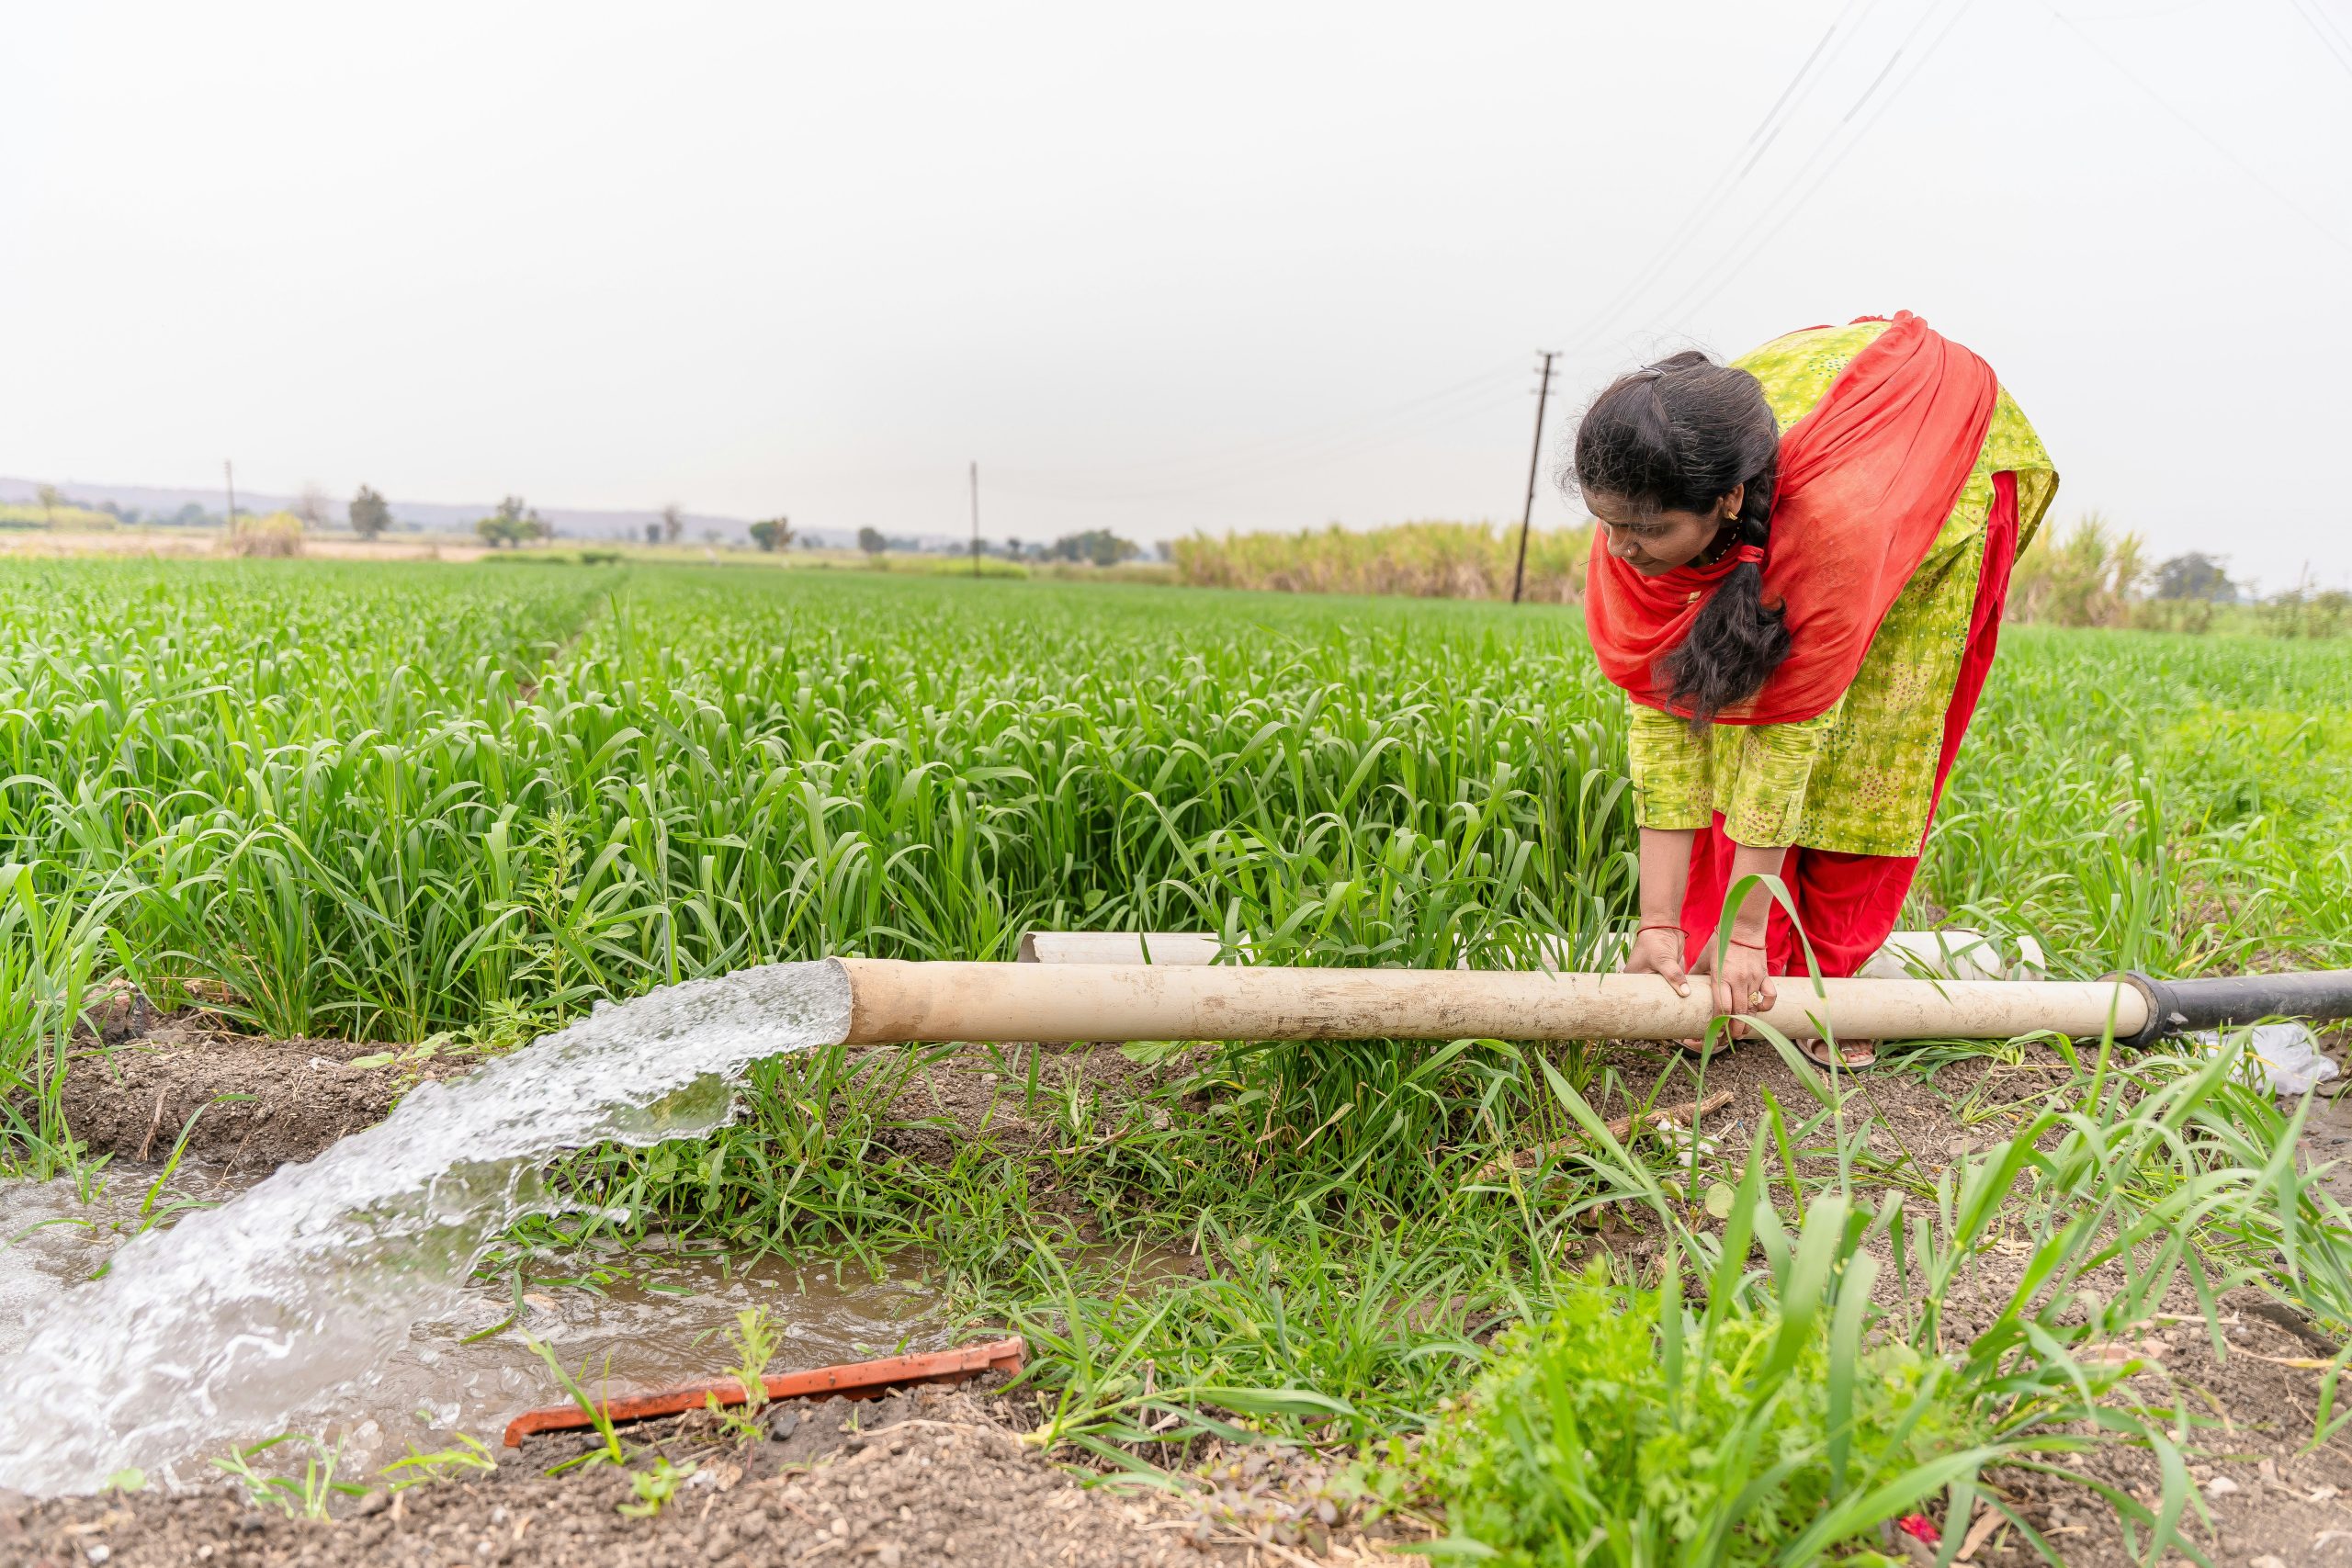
893	1001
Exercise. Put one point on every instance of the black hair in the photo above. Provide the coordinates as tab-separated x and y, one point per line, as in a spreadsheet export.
1680	435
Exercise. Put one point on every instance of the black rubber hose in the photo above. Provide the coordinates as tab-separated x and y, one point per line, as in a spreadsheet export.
2179	1006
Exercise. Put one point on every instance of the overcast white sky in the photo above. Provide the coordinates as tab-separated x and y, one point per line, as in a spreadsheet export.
1208	265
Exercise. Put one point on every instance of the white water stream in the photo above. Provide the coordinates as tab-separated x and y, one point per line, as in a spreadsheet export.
237	1317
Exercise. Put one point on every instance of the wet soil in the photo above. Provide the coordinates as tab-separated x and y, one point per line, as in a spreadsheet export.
625	1319
923	1477
937	1475
256	1104
132	1086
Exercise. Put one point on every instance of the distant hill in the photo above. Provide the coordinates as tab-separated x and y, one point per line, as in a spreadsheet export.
160	503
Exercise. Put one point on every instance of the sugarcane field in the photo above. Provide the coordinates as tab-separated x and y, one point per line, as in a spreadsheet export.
1730	945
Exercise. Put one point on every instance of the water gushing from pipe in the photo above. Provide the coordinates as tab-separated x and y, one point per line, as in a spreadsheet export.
223	1326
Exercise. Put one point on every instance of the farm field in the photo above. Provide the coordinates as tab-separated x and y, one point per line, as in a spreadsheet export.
2057	1294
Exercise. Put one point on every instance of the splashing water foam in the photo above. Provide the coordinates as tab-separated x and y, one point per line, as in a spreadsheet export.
221	1327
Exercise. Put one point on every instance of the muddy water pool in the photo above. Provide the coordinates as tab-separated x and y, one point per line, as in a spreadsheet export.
627	1320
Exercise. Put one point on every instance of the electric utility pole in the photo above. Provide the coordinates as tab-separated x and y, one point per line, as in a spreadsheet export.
975	517
1535	462
229	472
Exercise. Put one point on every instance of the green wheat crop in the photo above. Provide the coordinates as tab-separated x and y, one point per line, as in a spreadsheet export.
384	802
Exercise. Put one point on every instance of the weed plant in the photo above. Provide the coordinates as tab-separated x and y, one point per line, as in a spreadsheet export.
467	1456
1629	1428
303	1496
609	1449
755	1338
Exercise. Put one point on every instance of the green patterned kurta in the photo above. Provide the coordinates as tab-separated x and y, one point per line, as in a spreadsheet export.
1859	777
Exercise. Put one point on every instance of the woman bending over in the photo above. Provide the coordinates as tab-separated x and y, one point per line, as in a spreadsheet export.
1798	578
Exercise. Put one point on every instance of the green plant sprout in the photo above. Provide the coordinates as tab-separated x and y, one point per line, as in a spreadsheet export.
471	1456
302	1497
611	1450
654	1486
754	1338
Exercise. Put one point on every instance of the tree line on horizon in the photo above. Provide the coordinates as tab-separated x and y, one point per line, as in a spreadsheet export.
2091	575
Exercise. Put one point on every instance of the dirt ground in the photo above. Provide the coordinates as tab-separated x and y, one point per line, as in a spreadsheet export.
2250	1411
262	1103
132	1086
940	1475
924	1477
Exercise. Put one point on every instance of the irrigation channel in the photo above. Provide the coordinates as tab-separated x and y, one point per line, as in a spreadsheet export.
304	1295
304	1287
655	1327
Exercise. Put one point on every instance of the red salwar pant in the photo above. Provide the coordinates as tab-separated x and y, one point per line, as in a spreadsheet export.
1848	902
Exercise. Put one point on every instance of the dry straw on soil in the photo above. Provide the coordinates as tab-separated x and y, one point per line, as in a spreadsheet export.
1423	560
275	537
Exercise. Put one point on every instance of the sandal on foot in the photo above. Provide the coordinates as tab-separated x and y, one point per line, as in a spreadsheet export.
1851	1054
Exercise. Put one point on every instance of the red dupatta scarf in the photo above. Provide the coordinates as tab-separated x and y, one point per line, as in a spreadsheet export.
1866	481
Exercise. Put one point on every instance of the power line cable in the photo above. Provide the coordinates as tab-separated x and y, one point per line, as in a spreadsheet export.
2323	28
1736	170
1790	209
1453	391
1760	140
1726	184
1788	202
2200	132
1301	463
2327	19
1317	449
2153	13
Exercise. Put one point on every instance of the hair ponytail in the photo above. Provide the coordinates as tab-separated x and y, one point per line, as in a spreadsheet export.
1735	641
1681	434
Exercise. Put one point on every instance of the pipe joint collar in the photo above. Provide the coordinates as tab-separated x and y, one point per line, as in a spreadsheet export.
2165	1018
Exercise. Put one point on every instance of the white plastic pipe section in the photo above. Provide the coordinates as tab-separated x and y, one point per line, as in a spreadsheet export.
1948	954
898	1002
